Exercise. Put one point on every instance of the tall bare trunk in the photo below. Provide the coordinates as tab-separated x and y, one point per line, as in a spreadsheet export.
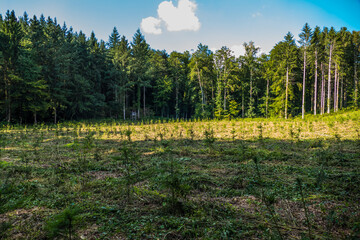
139	101
267	97
35	118
303	95
201	88
329	81
337	91
322	95
225	87
335	86
315	84
7	97
225	99
55	115
177	110
242	103
286	92
144	102
124	107
342	93
356	83
251	86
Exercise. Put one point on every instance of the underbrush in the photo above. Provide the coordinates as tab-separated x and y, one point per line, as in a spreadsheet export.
218	179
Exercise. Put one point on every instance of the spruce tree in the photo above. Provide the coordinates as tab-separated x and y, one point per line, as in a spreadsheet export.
305	38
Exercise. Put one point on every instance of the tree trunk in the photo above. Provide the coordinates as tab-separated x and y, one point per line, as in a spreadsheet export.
242	103
286	92
342	93
335	86
225	86
322	89
267	97
329	80
315	84
177	110
356	84
144	103
138	101
251	86
124	107
201	88
55	115
303	94
337	91
35	118
345	96
7	98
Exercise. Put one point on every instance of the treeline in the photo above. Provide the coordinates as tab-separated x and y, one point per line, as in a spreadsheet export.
51	73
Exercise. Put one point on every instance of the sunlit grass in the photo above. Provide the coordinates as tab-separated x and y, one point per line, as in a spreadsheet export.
187	173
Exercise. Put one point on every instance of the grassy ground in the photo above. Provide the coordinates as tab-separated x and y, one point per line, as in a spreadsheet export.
240	179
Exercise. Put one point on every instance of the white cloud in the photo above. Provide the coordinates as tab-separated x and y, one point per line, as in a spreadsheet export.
151	25
257	14
180	18
174	18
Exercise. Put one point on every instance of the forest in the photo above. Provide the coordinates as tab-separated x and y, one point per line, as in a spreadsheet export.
116	140
51	73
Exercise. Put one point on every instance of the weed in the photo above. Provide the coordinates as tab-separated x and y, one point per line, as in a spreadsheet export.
267	200
128	160
301	191
209	139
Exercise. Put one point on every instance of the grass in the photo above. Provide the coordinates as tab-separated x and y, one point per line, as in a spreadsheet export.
239	179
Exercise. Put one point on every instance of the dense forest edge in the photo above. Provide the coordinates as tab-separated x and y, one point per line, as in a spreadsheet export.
50	73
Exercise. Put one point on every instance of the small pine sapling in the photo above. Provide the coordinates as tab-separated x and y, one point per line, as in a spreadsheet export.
63	224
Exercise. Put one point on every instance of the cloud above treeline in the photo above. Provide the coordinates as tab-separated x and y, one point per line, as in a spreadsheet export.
173	18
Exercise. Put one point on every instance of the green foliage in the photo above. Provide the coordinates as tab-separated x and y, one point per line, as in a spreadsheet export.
171	178
209	138
146	189
128	161
64	224
50	71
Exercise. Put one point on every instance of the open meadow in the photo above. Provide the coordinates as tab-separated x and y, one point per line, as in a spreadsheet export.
216	179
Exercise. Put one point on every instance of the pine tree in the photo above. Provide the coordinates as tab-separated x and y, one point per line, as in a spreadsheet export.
114	39
252	64
12	35
330	40
355	48
315	47
284	55
202	70
223	64
305	38
140	54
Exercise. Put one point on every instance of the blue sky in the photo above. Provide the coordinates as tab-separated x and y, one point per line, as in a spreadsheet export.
182	24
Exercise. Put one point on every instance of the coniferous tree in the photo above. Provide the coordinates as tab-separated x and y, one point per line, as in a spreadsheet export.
285	57
252	64
12	35
223	63
305	38
315	47
140	54
202	71
330	42
355	49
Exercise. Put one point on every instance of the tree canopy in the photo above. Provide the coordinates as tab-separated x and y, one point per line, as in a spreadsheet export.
51	73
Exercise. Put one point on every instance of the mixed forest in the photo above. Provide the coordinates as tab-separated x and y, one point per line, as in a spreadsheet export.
219	147
51	73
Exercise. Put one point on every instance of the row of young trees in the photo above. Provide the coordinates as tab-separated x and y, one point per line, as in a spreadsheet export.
49	72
